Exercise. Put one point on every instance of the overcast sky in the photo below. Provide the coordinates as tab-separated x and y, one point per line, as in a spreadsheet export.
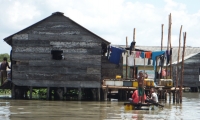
112	20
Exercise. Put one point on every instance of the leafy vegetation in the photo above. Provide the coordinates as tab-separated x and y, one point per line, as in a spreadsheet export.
4	55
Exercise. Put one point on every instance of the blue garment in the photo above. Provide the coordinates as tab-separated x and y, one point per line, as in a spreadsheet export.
115	55
155	54
142	55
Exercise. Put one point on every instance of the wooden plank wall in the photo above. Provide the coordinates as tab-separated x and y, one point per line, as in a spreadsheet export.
35	67
110	70
191	71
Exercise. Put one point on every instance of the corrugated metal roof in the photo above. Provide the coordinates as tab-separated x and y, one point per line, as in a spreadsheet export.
189	52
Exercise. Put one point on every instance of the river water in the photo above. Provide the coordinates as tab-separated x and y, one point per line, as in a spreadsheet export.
76	110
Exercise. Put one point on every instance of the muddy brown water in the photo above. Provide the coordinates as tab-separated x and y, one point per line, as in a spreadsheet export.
76	110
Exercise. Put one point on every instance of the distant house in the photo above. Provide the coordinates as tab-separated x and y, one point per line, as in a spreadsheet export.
58	52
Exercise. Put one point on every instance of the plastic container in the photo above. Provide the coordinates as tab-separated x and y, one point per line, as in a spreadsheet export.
127	83
118	83
152	83
128	107
118	76
110	82
135	84
169	83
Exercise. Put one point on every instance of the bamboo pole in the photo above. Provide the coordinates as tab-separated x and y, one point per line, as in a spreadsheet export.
161	46
177	67
126	57
170	29
168	45
134	71
182	67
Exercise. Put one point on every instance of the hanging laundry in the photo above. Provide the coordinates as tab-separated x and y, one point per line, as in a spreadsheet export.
155	54
168	55
115	55
131	60
137	54
149	62
148	54
162	60
131	46
142	55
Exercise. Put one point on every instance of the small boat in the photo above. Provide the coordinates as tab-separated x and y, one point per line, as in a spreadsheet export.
142	106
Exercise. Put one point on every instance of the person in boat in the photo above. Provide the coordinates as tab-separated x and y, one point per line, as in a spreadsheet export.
3	67
140	80
135	97
153	96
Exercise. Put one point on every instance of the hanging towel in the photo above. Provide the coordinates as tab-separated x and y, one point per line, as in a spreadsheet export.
142	55
148	54
131	60
137	54
155	54
115	55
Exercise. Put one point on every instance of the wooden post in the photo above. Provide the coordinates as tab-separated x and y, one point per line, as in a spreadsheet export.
31	91
65	92
170	96
126	58
161	46
48	93
79	93
170	24
134	71
177	66
182	67
13	91
99	94
173	96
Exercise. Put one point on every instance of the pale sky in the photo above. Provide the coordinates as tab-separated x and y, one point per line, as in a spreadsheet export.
112	20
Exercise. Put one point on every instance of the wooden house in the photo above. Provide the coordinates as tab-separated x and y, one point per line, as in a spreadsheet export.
58	52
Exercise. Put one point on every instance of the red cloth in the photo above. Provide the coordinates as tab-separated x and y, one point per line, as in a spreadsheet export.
148	54
135	97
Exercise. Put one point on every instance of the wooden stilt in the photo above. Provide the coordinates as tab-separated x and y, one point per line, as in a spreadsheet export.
13	91
65	93
99	94
31	91
165	96
173	96
79	93
170	96
48	93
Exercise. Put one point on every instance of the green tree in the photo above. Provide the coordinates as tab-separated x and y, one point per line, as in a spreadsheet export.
4	55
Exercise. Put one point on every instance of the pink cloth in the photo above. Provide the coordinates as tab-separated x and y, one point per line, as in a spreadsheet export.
137	55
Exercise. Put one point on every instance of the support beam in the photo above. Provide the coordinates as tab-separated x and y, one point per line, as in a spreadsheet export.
48	93
79	93
31	91
65	93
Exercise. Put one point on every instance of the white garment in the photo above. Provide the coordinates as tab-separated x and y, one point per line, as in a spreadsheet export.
130	60
154	97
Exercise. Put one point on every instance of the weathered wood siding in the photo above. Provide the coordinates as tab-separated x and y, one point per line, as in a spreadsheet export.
35	67
191	71
110	70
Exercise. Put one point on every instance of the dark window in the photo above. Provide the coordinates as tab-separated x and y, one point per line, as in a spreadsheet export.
57	54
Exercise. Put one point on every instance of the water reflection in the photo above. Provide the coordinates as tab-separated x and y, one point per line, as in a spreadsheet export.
74	110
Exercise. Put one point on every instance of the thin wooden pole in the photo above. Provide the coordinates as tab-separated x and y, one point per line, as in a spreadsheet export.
168	41
161	45
134	71
31	90
177	66
182	67
127	57
170	29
